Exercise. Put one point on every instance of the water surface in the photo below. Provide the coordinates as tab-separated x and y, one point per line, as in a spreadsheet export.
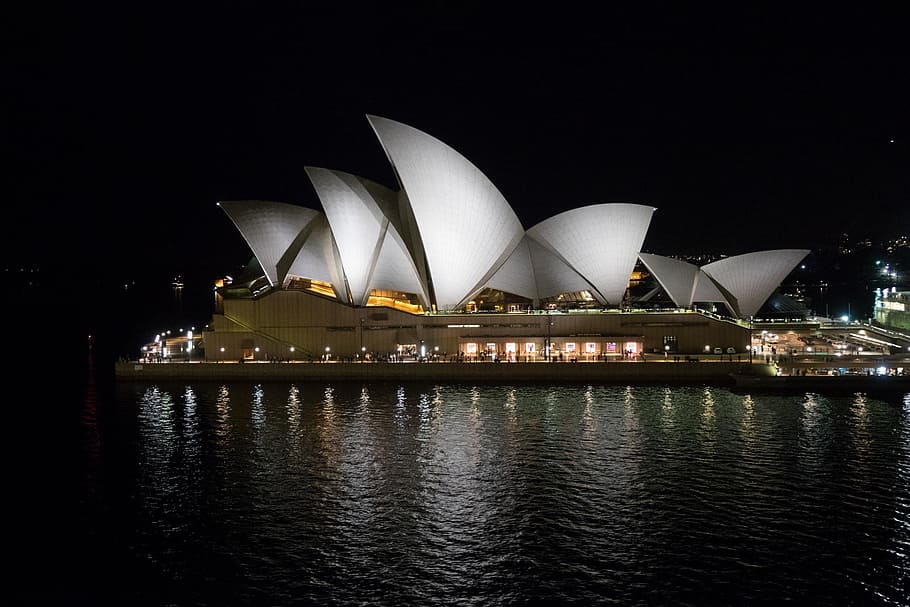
385	494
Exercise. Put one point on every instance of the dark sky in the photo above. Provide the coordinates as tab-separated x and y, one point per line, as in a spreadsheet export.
123	124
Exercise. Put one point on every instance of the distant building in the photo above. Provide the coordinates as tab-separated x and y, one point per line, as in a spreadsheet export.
892	309
443	266
185	346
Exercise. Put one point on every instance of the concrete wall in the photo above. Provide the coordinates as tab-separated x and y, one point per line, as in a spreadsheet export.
311	323
607	372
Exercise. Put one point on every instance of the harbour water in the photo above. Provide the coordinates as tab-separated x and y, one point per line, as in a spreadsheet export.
282	493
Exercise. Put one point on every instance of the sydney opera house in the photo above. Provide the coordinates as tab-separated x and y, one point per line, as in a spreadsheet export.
441	266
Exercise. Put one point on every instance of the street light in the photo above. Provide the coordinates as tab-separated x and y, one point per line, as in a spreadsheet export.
327	353
546	348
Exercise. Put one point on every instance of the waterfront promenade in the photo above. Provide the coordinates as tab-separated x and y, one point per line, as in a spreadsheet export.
663	371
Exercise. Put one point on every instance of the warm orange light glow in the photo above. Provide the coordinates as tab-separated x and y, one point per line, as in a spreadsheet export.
397	301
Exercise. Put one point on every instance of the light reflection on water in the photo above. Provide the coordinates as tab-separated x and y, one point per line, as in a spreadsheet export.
901	548
223	415
489	495
257	408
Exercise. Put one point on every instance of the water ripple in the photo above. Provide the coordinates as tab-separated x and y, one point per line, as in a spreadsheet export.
352	494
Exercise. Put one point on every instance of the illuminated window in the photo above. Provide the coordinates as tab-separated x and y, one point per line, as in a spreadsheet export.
590	347
611	346
491	347
529	347
511	347
570	346
471	348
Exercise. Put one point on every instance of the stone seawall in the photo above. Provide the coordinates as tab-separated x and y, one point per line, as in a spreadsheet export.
605	372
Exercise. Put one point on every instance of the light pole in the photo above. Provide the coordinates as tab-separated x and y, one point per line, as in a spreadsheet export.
546	347
362	349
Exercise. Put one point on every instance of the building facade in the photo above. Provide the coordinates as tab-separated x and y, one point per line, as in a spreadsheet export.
441	267
289	325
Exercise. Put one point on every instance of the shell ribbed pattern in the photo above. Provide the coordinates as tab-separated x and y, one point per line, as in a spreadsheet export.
448	233
601	242
753	277
465	224
270	229
706	290
677	277
357	223
395	269
552	274
316	258
516	275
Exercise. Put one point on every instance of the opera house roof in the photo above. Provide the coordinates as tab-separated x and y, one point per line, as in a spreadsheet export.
447	233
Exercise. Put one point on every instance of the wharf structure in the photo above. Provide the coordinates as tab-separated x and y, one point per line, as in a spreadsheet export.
441	269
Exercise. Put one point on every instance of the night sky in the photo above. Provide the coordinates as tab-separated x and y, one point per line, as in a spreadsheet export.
748	129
